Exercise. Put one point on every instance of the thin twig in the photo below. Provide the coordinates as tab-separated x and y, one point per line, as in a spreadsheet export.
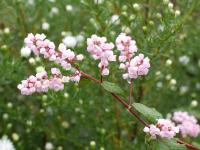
130	92
189	146
133	112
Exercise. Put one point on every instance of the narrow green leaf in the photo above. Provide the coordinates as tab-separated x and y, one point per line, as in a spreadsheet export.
150	113
166	144
111	87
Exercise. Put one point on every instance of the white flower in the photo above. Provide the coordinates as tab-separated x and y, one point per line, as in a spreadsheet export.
9	105
184	60
66	95
173	82
40	69
159	84
158	15
92	143
197	86
136	6
48	146
7	30
31	2
168	77
70	41
115	19
165	1
177	13
25	52
161	28
65	79
15	136
170	5
5	116
80	38
45	26
158	73
183	89
6	144
65	124
80	57
54	10
69	7
31	61
168	62
194	103
98	1
52	1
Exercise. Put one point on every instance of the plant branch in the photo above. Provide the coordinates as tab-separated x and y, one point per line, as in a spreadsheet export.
123	102
189	146
133	112
130	92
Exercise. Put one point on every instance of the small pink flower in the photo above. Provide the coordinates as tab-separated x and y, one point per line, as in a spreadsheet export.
187	124
152	130
138	66
99	49
39	45
56	84
126	46
164	128
75	77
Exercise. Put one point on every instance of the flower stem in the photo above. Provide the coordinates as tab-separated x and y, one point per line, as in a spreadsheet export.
189	146
123	102
130	92
133	112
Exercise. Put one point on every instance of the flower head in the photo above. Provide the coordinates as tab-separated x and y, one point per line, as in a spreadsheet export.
187	124
126	46
164	128
6	144
100	49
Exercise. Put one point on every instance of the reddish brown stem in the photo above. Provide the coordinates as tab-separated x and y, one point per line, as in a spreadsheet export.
123	102
127	106
101	77
130	109
90	77
189	146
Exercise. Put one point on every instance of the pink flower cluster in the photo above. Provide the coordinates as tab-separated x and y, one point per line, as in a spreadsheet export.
101	50
164	128
65	57
137	66
41	83
126	46
40	45
187	124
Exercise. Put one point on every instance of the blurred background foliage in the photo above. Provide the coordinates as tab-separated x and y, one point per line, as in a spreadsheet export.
84	116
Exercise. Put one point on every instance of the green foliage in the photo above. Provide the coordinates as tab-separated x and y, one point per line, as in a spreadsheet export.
165	144
111	87
150	113
85	112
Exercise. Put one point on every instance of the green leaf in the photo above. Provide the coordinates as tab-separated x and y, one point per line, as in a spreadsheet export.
166	144
111	87
150	113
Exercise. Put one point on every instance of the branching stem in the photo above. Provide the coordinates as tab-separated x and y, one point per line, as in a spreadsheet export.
132	111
